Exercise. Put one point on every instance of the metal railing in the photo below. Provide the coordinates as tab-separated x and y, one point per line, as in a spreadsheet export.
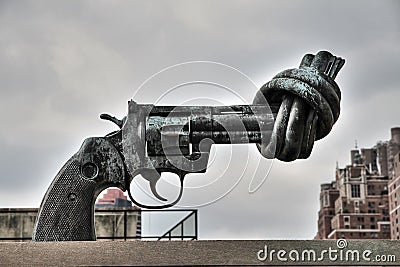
181	231
170	234
177	232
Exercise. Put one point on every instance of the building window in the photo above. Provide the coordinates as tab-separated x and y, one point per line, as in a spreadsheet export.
326	200
371	189
385	212
355	190
346	218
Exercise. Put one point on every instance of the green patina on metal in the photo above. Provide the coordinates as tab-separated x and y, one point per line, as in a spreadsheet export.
290	112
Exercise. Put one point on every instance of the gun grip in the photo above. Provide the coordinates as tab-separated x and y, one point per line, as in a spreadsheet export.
67	209
67	212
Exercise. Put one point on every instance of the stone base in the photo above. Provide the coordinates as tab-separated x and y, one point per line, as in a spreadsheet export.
181	253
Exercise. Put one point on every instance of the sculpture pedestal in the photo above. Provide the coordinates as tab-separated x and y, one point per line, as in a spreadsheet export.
181	253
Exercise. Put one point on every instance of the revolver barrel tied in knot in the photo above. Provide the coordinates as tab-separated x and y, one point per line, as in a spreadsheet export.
309	100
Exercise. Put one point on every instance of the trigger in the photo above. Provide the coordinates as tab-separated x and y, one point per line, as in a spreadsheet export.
153	178
154	190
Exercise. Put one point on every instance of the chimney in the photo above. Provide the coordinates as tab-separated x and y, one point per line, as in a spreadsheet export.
395	135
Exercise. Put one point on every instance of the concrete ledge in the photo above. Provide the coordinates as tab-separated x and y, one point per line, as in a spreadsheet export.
181	253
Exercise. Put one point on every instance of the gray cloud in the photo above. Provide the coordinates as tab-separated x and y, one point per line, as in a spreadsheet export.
63	63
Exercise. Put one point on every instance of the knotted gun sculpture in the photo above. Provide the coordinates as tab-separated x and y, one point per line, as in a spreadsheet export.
297	107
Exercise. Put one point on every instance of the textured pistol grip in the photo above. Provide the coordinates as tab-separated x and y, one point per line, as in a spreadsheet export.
67	209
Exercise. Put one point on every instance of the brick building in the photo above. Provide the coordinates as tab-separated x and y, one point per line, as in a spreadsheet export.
328	196
355	205
364	200
394	185
394	200
113	198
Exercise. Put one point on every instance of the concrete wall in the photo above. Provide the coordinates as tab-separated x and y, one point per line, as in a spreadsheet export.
18	223
111	224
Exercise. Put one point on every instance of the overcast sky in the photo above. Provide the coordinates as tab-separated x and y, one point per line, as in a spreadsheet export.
64	63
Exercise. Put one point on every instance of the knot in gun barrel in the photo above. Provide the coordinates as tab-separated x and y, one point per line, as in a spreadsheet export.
309	101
